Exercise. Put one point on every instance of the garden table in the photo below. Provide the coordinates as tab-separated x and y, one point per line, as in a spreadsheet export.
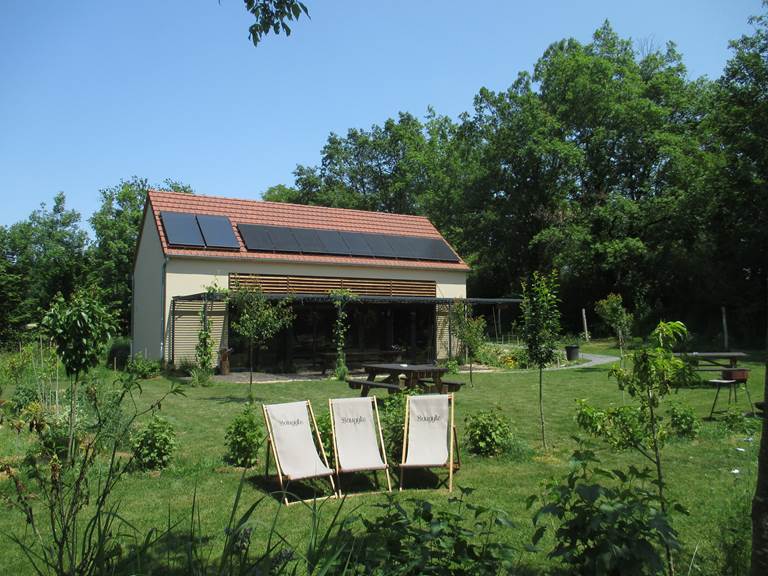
413	373
713	360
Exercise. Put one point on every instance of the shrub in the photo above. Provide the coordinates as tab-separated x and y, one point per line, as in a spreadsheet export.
735	532
143	368
683	421
24	395
244	438
734	421
154	444
605	529
200	377
326	435
453	366
118	353
488	433
392	415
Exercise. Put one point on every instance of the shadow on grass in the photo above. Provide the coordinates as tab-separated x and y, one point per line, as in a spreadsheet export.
298	490
232	399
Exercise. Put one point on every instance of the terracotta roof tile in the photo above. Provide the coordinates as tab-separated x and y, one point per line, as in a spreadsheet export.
300	216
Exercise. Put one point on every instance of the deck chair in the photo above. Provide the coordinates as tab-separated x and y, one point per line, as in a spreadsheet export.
429	436
357	440
290	442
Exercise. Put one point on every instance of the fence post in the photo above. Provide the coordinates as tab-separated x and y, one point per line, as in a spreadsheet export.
584	323
725	328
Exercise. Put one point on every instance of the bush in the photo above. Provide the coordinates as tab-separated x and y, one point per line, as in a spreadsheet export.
735	422
392	416
683	421
735	532
326	435
606	529
24	395
154	444
453	366
119	353
200	377
244	437
142	367
488	433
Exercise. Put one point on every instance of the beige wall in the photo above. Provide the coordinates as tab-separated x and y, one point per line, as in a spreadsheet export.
185	276
147	310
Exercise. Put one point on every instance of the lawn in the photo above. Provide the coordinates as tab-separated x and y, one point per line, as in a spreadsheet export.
700	473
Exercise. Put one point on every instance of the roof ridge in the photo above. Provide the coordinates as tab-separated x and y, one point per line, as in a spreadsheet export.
273	203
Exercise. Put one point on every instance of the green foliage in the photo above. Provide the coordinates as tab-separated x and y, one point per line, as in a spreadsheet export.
341	298
735	532
154	444
622	428
392	416
118	352
683	421
452	365
488	433
541	318
143	368
272	16
608	520
258	320
326	435
611	310
204	347
80	328
469	330
24	394
200	377
735	421
462	539
244	437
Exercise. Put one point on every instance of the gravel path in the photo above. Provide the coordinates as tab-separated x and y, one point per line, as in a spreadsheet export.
593	360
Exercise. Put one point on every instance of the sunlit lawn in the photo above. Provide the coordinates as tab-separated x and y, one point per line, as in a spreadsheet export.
699	473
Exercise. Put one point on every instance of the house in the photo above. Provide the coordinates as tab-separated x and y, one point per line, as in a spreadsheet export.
402	270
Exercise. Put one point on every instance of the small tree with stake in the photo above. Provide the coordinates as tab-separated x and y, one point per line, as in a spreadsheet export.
611	310
341	298
469	330
80	329
541	328
258	321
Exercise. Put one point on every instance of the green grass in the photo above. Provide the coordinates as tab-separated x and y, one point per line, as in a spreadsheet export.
698	472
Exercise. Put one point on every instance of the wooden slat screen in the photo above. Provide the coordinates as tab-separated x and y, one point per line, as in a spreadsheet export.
274	284
185	327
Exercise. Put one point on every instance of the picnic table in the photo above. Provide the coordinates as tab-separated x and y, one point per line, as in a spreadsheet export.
713	361
428	375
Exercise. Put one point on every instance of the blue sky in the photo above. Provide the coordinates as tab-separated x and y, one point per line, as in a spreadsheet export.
92	92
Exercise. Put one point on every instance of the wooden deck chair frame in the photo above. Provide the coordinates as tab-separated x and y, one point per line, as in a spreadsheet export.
273	451
453	443
382	448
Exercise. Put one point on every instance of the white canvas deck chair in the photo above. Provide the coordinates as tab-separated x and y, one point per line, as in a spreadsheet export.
357	440
429	436
289	429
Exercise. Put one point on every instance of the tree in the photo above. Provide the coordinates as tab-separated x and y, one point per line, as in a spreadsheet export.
272	16
611	310
469	330
80	329
258	320
116	225
43	255
341	298
541	328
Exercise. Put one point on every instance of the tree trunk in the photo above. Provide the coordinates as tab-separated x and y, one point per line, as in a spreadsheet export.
541	406
760	500
72	420
250	370
659	478
471	383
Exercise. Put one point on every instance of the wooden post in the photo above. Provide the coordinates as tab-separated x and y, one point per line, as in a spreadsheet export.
725	328
584	323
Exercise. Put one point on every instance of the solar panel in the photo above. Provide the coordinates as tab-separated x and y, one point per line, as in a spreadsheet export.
404	246
217	231
283	239
181	229
357	244
380	246
312	241
333	242
309	243
256	237
434	249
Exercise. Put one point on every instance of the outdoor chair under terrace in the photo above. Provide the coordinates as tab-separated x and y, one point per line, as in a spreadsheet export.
429	436
289	429
358	443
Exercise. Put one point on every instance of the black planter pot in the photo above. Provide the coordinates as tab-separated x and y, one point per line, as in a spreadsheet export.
572	352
